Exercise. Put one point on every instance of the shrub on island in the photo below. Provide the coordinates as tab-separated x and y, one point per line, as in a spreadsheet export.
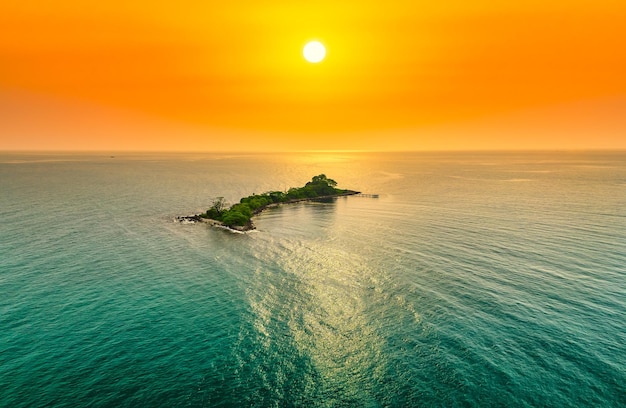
240	214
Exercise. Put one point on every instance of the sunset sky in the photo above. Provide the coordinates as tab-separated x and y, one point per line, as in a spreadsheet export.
398	75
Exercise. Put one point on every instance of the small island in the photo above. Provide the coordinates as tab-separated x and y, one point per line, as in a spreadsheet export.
239	216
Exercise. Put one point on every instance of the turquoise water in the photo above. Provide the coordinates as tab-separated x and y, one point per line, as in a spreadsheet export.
474	280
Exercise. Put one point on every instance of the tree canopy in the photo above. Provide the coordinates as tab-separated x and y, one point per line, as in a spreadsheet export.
240	214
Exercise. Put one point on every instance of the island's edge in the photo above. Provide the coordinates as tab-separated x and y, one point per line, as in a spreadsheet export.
250	225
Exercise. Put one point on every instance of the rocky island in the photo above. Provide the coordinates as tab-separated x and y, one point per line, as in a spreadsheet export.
239	216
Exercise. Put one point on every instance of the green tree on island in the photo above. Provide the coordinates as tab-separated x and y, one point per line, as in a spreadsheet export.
217	208
240	214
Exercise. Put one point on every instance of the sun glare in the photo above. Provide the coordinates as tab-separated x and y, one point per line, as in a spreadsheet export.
314	51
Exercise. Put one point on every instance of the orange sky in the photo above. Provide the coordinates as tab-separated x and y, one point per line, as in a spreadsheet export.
399	75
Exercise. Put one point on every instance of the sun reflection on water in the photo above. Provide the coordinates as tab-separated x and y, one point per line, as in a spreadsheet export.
329	323
317	312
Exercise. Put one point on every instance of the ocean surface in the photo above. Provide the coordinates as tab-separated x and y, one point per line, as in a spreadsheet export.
472	280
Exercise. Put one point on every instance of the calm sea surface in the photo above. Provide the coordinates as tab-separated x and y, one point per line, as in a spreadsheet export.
473	280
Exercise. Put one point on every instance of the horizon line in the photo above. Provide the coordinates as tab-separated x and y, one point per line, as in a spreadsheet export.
316	151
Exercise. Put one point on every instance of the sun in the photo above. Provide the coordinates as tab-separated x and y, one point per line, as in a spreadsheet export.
314	51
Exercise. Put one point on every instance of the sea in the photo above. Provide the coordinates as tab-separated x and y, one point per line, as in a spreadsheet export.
458	279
